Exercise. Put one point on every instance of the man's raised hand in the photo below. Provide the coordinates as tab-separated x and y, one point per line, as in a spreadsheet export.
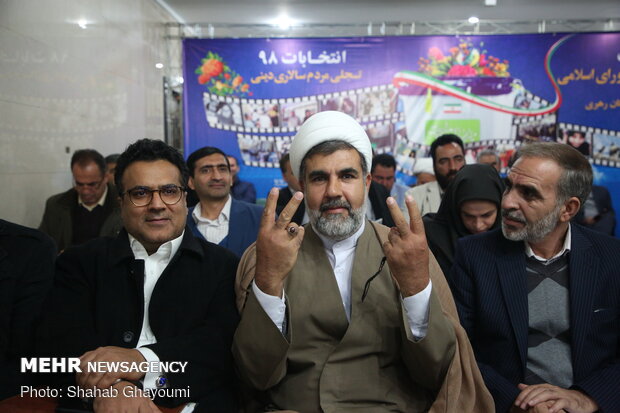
406	249
277	244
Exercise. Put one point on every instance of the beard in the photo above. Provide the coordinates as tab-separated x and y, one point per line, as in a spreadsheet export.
444	180
337	226
532	231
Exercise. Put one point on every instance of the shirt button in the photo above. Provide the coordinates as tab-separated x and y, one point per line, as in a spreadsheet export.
127	336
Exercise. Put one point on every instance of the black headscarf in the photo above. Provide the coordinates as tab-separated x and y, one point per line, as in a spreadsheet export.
443	229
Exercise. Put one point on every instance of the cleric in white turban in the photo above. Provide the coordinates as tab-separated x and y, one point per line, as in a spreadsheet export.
338	316
325	126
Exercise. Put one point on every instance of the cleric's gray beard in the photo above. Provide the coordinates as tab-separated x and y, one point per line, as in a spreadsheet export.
337	226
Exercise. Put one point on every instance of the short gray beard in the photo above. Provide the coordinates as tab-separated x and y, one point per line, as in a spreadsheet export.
336	226
532	231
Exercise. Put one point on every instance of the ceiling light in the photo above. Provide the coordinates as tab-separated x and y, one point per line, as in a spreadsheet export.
159	65
82	23
490	2
283	22
473	20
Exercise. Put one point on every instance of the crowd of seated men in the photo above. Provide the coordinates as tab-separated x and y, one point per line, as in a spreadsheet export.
467	292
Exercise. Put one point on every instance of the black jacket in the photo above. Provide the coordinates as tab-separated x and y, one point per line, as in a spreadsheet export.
57	221
26	274
378	194
283	198
490	290
97	300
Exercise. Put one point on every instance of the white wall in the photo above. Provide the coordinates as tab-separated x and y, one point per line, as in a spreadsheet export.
64	88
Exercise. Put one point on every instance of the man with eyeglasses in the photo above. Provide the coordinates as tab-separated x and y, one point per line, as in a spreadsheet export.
345	314
86	211
218	217
155	293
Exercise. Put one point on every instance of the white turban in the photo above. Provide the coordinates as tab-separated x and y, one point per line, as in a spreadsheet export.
423	165
327	126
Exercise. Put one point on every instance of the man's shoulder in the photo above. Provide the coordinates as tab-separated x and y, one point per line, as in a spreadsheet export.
489	241
21	237
112	199
606	244
422	189
247	205
213	253
63	199
92	252
244	184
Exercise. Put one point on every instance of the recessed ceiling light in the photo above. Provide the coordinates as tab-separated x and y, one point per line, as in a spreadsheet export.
159	65
473	20
82	23
283	22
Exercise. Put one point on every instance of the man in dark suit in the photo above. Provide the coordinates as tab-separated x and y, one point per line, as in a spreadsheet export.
155	293
218	217
378	209
287	193
240	190
26	274
540	299
86	211
598	212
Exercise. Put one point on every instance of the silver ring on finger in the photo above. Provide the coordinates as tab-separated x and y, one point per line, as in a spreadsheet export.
292	230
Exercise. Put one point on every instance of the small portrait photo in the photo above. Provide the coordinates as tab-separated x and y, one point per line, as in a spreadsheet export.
295	113
377	103
345	104
261	115
222	113
578	139
606	147
538	130
381	136
405	155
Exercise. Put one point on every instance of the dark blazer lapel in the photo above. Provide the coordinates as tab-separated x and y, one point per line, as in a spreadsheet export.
583	272
512	279
236	226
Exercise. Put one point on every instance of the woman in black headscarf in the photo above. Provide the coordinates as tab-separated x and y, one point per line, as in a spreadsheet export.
470	205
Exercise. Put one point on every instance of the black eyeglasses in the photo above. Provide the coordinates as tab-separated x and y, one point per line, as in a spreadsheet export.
367	286
142	196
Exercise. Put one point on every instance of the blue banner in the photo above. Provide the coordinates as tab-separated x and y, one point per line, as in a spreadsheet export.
249	96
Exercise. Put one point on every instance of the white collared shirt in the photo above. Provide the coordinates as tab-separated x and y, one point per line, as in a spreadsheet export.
101	201
214	230
566	247
341	255
154	266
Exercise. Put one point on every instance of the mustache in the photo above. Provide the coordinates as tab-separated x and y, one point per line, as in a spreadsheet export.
335	203
513	215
